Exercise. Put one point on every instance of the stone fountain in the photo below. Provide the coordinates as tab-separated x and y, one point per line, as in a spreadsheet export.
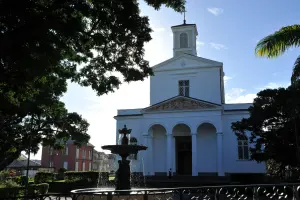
122	179
124	150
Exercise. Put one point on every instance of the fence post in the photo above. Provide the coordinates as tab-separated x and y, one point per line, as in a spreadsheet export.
255	193
180	194
146	195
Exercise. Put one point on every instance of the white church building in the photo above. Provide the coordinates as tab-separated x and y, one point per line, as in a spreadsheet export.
187	126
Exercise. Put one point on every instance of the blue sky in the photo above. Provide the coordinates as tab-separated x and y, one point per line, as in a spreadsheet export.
227	32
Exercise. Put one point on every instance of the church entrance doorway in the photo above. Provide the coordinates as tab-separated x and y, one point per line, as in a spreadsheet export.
183	155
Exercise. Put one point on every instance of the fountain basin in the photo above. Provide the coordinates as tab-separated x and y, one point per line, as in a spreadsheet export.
124	149
112	194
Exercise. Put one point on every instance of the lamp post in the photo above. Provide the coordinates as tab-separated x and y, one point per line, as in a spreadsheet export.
28	159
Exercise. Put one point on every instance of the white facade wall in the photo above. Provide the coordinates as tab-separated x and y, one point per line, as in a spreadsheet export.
164	84
214	150
206	142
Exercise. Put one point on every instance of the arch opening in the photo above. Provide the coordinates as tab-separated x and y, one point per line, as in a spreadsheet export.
183	149
207	139
159	143
206	128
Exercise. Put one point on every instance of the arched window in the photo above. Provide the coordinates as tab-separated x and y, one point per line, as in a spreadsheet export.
243	147
133	141
183	40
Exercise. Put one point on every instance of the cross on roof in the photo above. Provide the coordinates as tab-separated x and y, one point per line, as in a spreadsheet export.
184	21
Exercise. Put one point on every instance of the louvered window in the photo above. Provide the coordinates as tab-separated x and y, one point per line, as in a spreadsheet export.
184	88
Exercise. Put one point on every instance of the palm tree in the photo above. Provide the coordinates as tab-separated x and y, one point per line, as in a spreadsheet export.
278	43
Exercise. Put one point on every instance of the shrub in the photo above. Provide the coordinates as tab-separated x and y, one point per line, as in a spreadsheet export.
61	174
43	177
66	187
9	184
90	176
248	178
21	180
4	175
13	190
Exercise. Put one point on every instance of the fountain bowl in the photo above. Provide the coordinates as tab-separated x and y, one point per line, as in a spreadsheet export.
112	194
123	148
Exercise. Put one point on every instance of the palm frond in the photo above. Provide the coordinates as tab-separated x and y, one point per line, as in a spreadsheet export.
277	43
296	71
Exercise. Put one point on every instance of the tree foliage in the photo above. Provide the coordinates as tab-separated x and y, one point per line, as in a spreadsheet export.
278	43
274	126
97	44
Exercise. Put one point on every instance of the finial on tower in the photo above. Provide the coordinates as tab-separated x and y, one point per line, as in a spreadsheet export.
184	21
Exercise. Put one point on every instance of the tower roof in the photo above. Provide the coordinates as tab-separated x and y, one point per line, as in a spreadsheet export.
183	25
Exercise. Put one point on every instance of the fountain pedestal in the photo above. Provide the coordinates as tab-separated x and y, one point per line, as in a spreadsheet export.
123	175
124	150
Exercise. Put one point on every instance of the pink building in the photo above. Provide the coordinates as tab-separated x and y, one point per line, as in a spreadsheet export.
71	158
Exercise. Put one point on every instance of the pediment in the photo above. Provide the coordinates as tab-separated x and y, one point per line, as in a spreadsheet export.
186	61
181	103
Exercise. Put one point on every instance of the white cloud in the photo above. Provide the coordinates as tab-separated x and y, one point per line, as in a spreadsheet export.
239	95
217	46
273	85
199	43
215	11
226	79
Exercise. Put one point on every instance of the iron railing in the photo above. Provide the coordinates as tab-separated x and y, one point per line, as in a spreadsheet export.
290	191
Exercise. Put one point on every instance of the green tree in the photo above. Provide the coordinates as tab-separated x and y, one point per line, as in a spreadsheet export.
39	118
45	43
274	133
278	43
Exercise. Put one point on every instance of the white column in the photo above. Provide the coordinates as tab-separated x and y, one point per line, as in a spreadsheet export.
220	154
150	148
169	152
173	154
194	154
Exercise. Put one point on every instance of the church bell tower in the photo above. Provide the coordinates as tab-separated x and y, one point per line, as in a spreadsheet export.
184	39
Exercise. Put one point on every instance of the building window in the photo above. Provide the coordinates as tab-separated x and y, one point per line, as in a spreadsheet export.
83	154
50	151
184	88
83	166
90	166
66	165
50	163
243	148
66	151
76	166
183	40
90	154
77	152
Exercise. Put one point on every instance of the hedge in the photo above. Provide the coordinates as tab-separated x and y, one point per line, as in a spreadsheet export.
90	176
66	187
34	189
43	177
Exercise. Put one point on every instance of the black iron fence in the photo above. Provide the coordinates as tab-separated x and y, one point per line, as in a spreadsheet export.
255	192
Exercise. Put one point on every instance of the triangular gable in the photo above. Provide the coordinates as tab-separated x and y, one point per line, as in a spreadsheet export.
181	103
186	61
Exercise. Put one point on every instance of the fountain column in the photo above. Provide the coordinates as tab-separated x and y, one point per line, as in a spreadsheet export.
169	152
194	154
220	154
